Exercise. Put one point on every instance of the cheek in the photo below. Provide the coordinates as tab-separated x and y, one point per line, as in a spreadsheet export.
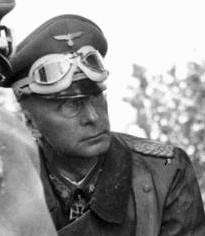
54	124
59	131
102	110
104	118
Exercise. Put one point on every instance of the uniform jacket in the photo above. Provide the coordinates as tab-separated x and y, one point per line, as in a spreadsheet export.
145	189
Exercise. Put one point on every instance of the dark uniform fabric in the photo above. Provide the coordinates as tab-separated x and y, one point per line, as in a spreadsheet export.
144	189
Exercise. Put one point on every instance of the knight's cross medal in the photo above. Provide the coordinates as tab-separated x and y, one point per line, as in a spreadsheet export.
77	208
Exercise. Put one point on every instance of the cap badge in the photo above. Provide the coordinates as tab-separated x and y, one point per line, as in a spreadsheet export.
69	37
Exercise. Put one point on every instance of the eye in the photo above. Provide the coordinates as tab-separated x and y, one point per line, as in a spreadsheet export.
77	101
71	107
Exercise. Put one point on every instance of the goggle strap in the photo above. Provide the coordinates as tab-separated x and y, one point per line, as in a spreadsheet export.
22	83
79	76
102	86
21	87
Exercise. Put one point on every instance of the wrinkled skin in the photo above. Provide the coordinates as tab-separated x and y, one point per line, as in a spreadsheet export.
84	135
23	210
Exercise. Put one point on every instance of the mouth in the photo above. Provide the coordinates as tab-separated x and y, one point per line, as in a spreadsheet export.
96	136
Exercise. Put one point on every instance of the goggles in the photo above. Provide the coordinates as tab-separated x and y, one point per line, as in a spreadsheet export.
56	72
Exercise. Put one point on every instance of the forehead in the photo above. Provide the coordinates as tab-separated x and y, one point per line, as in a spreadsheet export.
36	102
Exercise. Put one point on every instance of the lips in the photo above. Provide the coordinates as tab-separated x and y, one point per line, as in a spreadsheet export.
95	136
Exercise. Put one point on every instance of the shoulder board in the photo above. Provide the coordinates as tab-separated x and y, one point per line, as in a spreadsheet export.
149	147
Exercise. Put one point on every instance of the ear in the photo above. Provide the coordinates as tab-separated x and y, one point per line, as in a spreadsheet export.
31	124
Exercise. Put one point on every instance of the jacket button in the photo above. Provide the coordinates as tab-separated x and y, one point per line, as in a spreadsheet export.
147	188
91	188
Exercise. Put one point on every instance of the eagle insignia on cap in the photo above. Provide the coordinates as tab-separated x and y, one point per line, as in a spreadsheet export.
69	37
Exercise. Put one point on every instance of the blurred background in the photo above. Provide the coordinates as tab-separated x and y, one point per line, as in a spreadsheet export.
156	59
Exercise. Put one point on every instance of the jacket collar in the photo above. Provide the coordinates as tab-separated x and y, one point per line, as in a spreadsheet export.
113	188
110	199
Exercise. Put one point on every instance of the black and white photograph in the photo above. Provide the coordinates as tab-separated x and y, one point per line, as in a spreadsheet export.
102	118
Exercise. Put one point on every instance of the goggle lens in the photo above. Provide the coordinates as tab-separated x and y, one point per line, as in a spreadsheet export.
93	61
54	73
51	73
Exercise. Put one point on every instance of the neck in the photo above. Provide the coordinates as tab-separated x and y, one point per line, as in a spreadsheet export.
74	167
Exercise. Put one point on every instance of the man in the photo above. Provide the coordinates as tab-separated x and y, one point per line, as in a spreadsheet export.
97	182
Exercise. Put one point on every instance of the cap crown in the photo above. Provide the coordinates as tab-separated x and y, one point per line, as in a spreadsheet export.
61	34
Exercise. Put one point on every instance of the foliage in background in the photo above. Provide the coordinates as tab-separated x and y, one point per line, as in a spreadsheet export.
170	107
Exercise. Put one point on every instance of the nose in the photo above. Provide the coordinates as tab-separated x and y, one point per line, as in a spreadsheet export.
89	114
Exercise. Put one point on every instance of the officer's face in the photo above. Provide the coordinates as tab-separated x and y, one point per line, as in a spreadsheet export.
78	127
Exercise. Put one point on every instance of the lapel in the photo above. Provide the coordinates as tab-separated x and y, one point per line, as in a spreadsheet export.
110	199
51	201
148	218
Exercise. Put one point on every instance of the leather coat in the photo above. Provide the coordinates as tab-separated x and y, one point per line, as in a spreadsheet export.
145	189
